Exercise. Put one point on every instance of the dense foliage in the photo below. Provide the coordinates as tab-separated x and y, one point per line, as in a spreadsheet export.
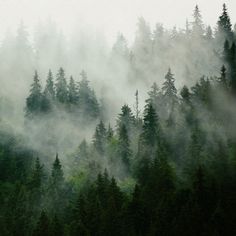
168	171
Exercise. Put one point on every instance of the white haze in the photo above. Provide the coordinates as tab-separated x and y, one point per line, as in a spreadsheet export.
108	16
79	35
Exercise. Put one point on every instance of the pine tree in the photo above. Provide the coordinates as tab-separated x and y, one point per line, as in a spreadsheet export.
34	101
48	94
209	34
224	26
126	118
154	96
87	101
110	133
169	90
43	226
72	92
185	94
57	173
61	87
99	138
49	90
120	48
223	79
37	175
197	29
124	146
151	129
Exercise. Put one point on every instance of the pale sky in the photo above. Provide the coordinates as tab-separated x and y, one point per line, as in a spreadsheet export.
110	16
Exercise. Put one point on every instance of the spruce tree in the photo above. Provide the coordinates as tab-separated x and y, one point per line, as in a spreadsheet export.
224	26
169	90
57	173
99	138
61	87
126	118
43	226
48	94
87	101
197	28
72	92
49	90
37	175
151	127
124	146
34	100
223	79
154	96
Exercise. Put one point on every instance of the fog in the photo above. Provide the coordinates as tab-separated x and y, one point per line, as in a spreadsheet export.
123	47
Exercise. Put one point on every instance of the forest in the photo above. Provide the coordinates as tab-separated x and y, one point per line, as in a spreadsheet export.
139	141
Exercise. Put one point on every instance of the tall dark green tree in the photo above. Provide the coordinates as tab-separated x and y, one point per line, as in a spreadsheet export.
126	118
37	175
43	226
99	138
57	175
61	87
151	128
124	146
34	100
169	90
72	92
48	94
87	101
224	30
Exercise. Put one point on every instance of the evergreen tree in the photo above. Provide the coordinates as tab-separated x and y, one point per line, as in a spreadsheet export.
87	101
37	175
154	96
197	28
124	146
72	92
61	87
110	133
209	34
49	90
151	129
34	100
169	90
224	26
185	94
43	226
48	94
223	79
126	118
57	173
99	138
120	48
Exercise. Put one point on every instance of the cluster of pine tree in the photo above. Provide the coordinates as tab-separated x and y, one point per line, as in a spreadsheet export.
170	171
78	98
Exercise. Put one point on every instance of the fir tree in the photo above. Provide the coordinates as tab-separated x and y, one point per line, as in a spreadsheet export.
99	138
57	173
126	118
37	175
124	146
169	90
224	26
87	101
197	29
48	94
151	127
61	87
34	101
43	226
72	92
